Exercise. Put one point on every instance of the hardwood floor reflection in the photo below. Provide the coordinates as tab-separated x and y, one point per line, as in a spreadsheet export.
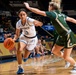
44	65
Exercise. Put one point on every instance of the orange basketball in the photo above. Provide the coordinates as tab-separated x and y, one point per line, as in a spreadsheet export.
9	43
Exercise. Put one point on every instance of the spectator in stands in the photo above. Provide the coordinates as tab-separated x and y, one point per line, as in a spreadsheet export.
1	37
42	37
39	49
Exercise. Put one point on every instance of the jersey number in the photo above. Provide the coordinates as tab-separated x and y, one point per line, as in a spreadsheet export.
26	32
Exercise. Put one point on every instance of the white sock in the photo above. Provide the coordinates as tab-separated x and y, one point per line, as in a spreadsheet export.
20	65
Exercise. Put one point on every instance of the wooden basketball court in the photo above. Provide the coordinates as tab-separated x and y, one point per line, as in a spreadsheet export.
44	65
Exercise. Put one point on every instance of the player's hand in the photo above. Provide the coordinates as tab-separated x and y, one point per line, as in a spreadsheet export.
14	39
26	5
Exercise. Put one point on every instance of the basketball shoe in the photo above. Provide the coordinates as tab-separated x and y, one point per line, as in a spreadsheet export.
73	70
20	70
67	64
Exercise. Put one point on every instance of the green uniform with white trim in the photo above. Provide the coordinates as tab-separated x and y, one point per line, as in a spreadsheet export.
66	37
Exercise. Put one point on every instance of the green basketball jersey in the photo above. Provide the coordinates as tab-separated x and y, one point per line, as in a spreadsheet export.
59	21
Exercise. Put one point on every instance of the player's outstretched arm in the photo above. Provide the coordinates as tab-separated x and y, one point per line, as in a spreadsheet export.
71	20
35	10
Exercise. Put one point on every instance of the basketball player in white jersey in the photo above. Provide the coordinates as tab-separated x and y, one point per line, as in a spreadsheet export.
27	39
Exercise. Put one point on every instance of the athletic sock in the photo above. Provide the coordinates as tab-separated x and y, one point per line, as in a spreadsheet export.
20	65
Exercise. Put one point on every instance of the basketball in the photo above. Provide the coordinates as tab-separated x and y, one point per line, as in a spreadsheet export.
9	43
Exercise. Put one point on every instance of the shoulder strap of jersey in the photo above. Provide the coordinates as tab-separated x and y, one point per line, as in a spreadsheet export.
56	14
28	21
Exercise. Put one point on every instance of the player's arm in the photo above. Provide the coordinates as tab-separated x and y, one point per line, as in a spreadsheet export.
16	34
32	21
71	19
37	23
35	10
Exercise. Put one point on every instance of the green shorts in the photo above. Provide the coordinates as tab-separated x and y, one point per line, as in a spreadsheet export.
66	41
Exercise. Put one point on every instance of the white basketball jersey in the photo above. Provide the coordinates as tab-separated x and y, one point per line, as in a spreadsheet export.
28	29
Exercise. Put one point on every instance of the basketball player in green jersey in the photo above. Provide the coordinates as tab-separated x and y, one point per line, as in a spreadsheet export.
65	37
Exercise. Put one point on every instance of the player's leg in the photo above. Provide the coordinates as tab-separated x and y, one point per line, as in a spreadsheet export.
37	50
67	51
21	46
26	55
30	47
57	50
67	57
58	47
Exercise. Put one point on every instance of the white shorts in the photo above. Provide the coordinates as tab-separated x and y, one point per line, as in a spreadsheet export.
30	42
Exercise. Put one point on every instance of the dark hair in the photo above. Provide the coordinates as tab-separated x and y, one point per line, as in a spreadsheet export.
22	10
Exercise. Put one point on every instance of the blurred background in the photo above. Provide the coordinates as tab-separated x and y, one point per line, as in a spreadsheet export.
9	17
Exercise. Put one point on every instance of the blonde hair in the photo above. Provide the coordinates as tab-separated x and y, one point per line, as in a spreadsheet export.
57	1
54	5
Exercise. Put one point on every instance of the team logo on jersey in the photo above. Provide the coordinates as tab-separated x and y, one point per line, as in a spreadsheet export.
70	44
60	15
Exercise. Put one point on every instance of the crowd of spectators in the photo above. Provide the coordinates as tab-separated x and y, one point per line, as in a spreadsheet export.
6	28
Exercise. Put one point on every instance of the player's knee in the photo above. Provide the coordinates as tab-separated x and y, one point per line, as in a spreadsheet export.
19	51
54	52
65	57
